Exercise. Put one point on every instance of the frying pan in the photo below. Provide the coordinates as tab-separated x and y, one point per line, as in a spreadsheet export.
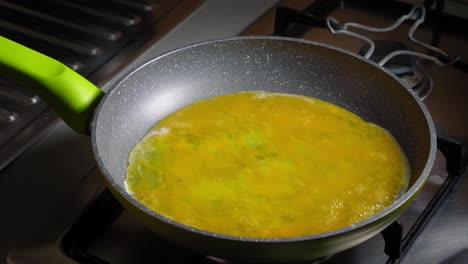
164	84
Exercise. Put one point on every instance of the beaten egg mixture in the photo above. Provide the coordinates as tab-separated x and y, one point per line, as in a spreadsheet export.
266	165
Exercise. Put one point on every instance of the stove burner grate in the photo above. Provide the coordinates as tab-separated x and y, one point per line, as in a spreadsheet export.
409	69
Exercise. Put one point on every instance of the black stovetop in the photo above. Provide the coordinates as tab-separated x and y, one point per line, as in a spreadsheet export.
432	230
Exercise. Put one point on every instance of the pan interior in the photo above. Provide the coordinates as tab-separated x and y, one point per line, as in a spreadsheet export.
174	80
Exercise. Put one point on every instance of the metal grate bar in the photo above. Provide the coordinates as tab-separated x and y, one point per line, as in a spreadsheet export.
126	20
7	116
83	48
18	96
92	30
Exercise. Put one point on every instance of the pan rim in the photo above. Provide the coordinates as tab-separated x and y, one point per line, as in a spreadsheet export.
387	212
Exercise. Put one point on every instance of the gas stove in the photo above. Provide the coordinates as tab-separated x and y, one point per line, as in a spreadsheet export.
57	210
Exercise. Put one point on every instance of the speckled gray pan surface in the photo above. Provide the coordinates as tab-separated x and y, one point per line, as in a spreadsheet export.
178	78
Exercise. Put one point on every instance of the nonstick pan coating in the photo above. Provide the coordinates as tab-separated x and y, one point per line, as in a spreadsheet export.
171	81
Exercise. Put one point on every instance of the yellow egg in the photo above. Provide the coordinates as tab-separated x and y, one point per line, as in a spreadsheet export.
260	164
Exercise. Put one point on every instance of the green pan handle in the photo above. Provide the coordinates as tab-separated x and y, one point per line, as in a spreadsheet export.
68	93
